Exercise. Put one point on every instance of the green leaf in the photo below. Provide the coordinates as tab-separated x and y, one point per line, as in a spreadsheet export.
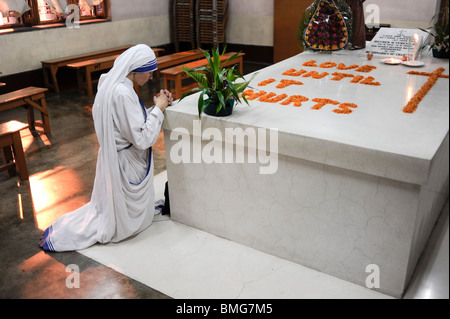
190	92
233	92
232	57
221	101
231	77
195	75
216	60
201	107
202	69
239	75
224	49
208	58
245	100
240	87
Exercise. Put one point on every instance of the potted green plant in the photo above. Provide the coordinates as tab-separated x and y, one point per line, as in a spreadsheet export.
440	32
218	84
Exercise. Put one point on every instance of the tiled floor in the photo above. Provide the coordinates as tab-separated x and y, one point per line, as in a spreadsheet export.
62	167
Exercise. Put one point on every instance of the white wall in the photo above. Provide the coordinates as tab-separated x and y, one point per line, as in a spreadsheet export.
148	21
251	21
131	9
24	51
409	14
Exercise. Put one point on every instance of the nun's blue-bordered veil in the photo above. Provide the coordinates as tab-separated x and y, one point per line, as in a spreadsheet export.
118	209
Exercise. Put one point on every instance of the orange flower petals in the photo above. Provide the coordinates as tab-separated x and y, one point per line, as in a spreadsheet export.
284	83
357	78
310	63
366	68
419	73
272	97
315	75
327	65
251	95
265	82
341	66
444	76
344	108
263	96
369	81
293	72
296	99
323	102
339	76
412	105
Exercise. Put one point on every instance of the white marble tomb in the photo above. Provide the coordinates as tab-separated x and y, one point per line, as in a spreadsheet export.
341	192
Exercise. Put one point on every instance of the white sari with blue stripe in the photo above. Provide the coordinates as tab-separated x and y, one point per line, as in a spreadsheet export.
123	199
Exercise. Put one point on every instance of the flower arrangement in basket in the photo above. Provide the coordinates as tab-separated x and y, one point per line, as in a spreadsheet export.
326	25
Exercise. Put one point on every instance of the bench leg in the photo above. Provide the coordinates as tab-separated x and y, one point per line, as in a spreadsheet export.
47	83
178	87
30	116
50	80
41	108
7	157
44	116
80	80
53	70
19	156
90	91
166	83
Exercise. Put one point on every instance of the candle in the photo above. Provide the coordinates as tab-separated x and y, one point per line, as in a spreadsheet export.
416	40
392	61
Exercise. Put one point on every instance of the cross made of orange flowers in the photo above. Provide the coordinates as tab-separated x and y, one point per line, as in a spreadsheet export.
412	105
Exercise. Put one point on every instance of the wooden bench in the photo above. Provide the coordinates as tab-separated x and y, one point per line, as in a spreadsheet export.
29	97
86	68
167	61
50	67
12	149
177	74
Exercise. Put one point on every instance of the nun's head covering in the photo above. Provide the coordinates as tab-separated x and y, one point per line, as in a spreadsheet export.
139	58
148	67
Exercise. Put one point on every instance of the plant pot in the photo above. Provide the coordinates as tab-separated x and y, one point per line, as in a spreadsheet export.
441	54
211	109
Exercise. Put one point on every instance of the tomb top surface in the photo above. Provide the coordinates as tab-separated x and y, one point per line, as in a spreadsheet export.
376	121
